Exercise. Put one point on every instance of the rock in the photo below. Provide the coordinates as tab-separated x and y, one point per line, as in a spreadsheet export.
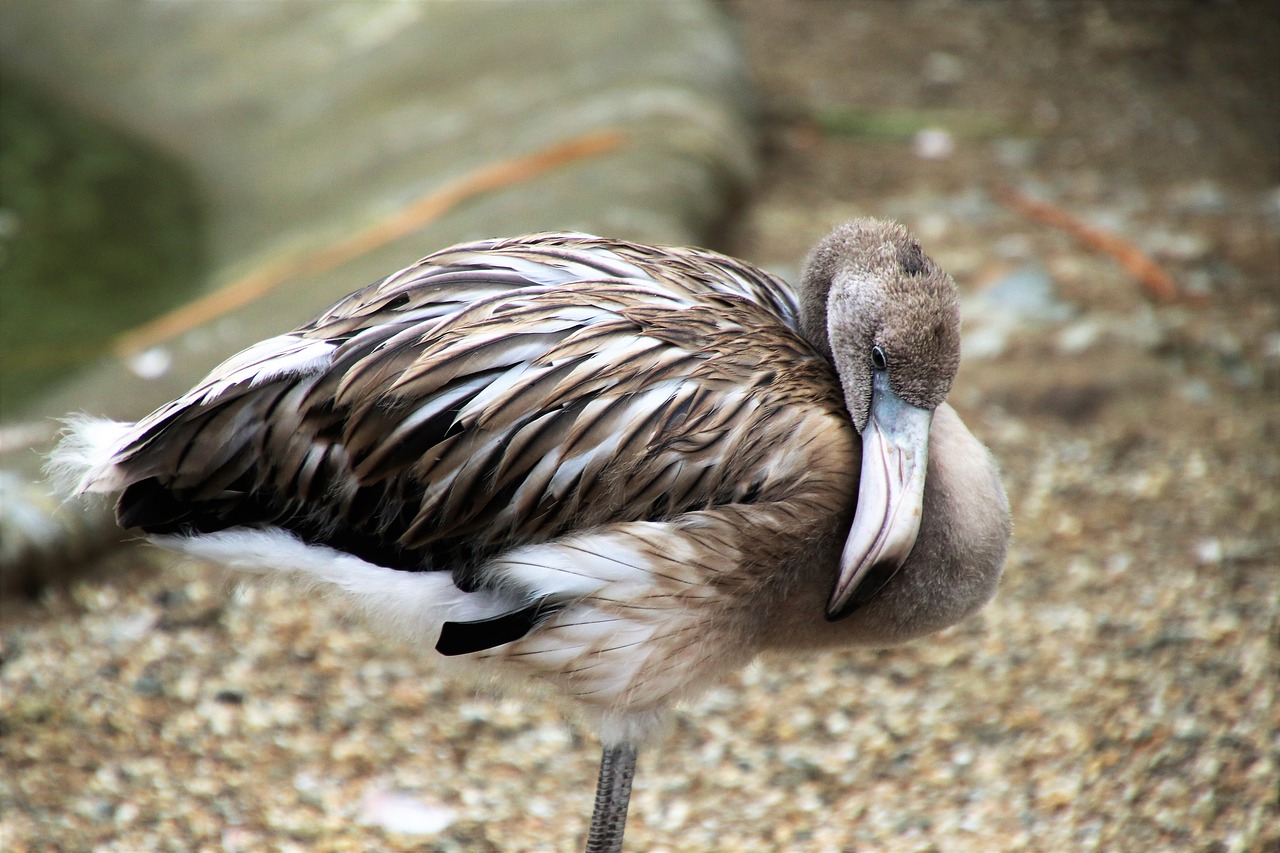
1023	299
1198	197
1139	330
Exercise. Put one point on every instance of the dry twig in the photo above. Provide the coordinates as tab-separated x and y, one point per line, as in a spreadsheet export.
1153	279
427	208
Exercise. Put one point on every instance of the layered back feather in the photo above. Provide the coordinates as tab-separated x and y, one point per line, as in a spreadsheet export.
494	395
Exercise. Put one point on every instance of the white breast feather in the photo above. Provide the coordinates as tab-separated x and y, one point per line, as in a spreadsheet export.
577	565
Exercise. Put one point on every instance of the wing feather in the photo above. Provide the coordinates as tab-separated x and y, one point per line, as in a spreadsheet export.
493	397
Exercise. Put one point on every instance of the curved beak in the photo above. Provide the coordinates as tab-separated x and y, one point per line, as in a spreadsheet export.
895	454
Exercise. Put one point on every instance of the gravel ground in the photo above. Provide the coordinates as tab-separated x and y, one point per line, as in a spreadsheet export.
1118	695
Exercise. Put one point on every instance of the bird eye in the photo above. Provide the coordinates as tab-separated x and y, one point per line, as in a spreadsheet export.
878	361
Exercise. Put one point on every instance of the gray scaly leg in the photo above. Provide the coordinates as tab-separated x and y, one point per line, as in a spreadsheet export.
613	793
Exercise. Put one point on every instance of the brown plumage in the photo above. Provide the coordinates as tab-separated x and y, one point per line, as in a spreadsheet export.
623	469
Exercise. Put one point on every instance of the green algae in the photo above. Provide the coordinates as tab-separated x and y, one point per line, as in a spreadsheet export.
98	232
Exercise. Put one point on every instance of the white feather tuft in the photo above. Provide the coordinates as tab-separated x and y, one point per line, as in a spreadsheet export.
85	455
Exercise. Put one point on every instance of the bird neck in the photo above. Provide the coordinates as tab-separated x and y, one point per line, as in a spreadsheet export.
952	571
815	287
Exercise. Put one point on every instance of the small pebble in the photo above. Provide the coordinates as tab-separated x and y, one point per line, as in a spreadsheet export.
1198	197
151	363
933	143
405	813
1016	153
942	69
1177	247
1196	390
1209	552
1021	301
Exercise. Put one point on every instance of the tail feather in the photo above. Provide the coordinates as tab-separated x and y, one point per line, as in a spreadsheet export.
85	459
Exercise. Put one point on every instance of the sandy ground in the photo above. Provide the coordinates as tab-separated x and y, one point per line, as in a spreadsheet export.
1118	695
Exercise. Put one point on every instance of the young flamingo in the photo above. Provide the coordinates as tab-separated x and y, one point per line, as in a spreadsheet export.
623	469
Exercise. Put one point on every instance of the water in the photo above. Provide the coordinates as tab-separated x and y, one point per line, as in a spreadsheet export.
98	233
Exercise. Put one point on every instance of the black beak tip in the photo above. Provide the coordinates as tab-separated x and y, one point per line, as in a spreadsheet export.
871	585
845	610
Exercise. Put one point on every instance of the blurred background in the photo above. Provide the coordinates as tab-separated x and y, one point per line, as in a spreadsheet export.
1101	178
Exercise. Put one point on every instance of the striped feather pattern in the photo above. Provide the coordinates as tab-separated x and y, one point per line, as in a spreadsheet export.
553	418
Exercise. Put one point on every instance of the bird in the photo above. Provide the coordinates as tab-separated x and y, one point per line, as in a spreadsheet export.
624	470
